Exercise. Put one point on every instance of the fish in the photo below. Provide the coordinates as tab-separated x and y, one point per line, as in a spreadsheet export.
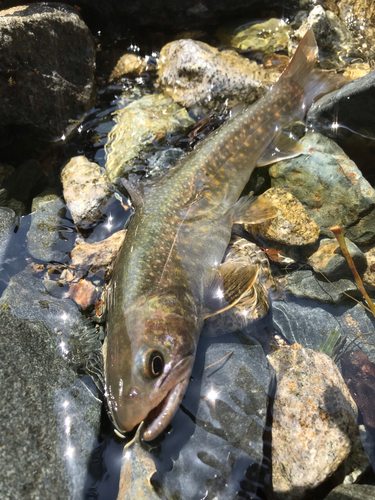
169	276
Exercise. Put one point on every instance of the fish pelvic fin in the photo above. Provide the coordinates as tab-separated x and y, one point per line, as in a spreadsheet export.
231	282
301	71
252	210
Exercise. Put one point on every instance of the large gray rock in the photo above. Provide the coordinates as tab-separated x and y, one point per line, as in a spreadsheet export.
330	186
7	221
49	420
47	63
223	451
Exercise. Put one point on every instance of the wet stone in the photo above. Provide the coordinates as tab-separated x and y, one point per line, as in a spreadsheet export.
83	293
224	450
329	185
329	260
49	419
193	72
292	224
43	234
7	222
128	64
137	126
85	189
307	285
314	425
352	492
98	258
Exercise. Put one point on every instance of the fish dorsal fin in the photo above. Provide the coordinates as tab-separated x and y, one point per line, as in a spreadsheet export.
232	280
285	145
251	210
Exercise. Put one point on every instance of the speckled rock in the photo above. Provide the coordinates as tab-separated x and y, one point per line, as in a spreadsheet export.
193	72
39	93
352	492
98	258
48	195
329	260
43	234
369	276
254	305
307	285
85	189
269	36
7	222
314	421
128	64
291	226
329	185
137	125
83	293
333	38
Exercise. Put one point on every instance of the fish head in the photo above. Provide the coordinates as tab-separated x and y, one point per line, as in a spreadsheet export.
150	355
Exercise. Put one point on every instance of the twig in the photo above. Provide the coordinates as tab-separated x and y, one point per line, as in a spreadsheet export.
216	362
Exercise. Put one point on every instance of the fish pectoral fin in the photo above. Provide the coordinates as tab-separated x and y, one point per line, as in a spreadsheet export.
231	282
285	145
251	210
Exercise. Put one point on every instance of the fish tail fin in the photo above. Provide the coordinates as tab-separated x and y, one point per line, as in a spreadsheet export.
301	71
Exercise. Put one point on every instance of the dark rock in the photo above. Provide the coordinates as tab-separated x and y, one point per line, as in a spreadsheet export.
44	232
47	58
48	419
224	451
352	492
307	285
359	374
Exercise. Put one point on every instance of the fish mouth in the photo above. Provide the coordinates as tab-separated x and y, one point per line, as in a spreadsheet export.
160	416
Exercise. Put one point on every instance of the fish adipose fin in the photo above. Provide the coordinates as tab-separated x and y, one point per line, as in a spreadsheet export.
231	282
251	210
313	82
284	146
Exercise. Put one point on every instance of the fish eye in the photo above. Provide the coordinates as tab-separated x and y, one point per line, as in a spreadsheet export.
154	363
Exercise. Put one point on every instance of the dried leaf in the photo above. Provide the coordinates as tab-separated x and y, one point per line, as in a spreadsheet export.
136	472
273	254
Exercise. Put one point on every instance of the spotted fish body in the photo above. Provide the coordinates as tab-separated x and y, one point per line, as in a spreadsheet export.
182	225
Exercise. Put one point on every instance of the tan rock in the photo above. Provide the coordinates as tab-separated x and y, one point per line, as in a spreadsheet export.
291	226
369	275
85	190
99	257
314	421
128	63
83	293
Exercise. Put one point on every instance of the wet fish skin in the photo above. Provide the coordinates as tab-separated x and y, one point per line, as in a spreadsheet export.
179	235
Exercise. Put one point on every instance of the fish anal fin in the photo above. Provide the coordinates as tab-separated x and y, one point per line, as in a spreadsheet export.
285	145
251	210
231	282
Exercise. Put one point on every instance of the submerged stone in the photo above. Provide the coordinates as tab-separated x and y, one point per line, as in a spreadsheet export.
352	492
269	36
329	185
128	64
314	425
137	126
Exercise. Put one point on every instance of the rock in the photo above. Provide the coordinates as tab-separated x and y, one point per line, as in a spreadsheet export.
306	285
161	160
369	277
5	171
193	72
128	64
306	324
329	185
329	260
86	191
137	126
359	374
83	293
269	36
54	84
314	421
48	194
7	222
222	451
49	420
356	70
352	492
254	305
334	39
44	232
292	224
98	258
